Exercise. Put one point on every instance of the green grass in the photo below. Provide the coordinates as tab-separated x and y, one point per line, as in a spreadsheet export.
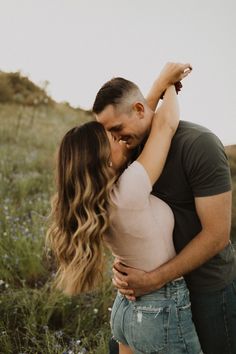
33	318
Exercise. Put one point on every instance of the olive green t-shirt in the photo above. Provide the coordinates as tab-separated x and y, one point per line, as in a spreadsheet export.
196	166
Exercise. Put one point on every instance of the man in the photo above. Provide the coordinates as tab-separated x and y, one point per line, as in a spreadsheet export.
196	184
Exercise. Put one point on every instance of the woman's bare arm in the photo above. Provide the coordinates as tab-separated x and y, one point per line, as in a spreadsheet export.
164	125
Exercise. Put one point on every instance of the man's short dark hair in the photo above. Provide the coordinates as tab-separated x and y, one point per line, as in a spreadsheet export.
112	92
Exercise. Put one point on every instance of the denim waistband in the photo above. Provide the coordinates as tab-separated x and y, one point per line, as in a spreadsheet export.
167	291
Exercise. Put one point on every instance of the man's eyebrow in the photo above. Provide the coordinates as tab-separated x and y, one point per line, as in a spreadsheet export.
115	128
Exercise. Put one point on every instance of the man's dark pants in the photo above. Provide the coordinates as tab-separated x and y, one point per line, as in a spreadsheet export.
214	315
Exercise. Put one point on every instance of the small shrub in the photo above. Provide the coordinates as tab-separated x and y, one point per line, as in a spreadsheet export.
6	91
19	89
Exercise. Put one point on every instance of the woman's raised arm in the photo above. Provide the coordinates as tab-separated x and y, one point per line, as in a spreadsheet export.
164	124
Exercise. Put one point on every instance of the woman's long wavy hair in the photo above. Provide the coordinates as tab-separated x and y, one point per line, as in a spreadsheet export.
79	216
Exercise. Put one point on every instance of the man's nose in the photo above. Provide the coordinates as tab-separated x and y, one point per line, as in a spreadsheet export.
116	137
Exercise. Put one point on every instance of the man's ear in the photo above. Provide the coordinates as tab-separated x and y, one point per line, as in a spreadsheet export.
138	107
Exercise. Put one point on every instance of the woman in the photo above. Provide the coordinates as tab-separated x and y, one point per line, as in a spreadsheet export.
95	202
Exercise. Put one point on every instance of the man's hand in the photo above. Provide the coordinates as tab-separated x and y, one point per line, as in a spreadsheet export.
131	282
215	216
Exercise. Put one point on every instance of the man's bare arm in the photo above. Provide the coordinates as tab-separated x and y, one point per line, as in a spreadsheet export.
214	213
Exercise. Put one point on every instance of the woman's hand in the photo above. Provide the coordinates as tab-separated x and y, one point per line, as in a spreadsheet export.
171	74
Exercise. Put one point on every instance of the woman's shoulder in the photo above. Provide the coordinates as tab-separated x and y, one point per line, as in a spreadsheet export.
133	187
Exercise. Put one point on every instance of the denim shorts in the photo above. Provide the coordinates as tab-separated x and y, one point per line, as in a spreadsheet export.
156	323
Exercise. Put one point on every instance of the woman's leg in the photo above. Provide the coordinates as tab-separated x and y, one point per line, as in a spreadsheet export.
124	349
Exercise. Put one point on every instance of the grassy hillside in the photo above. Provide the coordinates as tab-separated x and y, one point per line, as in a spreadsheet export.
33	319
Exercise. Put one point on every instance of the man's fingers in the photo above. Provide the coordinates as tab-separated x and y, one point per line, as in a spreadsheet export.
123	290
119	278
119	275
130	298
120	267
119	283
127	292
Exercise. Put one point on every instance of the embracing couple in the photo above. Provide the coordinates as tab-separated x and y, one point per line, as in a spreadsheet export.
157	191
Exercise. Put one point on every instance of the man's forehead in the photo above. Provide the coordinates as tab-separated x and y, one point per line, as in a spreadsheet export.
108	117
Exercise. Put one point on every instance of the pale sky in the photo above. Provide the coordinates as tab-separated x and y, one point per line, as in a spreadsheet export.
77	45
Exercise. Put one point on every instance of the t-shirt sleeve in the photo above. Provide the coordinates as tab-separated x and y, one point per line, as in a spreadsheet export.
207	166
133	188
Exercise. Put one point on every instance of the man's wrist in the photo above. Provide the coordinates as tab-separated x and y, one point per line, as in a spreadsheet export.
153	281
161	276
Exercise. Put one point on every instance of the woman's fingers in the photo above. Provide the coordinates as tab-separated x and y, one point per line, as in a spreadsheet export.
187	67
181	71
186	72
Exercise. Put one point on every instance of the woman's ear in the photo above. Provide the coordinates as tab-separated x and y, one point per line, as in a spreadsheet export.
138	107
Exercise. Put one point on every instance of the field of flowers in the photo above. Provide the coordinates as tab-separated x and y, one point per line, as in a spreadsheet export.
34	319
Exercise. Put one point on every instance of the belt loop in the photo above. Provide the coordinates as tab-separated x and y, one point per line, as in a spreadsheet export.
167	290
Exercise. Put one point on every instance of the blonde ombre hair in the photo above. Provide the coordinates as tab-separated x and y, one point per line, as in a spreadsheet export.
79	216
